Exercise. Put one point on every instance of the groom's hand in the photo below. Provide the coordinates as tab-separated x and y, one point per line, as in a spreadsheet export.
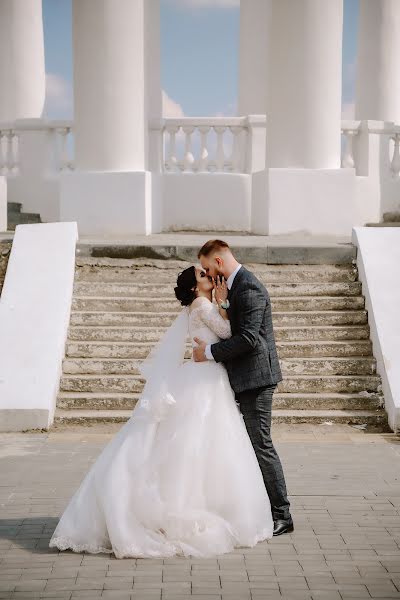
199	354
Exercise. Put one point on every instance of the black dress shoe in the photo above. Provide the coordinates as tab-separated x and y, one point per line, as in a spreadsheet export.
283	526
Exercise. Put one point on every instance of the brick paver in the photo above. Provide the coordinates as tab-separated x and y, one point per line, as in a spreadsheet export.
344	486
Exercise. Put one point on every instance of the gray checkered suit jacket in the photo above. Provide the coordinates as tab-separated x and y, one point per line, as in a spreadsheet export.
250	355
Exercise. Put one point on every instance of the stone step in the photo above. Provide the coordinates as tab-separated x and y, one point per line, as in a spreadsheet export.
148	334
291	384
368	417
118	401
14	207
154	290
290	319
293	366
15	219
107	349
371	418
23	217
385	224
247	249
266	273
391	217
155	305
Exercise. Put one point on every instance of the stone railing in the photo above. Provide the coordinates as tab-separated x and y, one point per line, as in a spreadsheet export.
25	143
360	138
211	145
195	145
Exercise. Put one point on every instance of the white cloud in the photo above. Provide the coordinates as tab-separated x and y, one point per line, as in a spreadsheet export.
348	111
229	111
206	3
170	108
58	103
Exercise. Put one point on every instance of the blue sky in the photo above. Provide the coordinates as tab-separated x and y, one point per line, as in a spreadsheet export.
199	56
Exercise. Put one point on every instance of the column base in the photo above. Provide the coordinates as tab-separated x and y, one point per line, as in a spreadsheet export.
304	201
111	204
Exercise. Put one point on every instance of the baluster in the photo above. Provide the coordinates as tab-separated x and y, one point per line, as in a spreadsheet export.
203	163
15	151
348	158
220	152
395	163
171	161
64	164
11	157
188	159
237	133
9	154
3	152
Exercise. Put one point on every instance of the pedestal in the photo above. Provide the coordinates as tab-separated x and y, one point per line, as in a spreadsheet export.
111	204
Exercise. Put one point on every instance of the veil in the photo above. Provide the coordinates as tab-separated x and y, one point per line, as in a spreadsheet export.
160	365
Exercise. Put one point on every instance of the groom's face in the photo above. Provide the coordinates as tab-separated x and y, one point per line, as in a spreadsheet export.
212	265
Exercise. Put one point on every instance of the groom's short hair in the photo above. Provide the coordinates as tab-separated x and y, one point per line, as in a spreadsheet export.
212	246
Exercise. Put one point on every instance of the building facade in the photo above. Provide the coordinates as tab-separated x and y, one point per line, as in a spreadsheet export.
286	164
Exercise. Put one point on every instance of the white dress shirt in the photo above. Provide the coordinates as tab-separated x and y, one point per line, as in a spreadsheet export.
229	283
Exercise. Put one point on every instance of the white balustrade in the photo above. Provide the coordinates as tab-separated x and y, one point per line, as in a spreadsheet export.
193	145
213	145
392	133
389	147
59	137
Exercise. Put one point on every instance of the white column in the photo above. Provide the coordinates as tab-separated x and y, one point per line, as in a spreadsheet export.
110	79
113	190
253	50
304	84
378	61
22	73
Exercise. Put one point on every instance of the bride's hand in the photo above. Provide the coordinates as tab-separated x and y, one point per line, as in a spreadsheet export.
220	289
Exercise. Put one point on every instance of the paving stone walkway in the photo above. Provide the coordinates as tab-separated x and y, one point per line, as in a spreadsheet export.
344	487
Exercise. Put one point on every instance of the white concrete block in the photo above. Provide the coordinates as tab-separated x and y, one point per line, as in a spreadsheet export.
311	201
34	316
206	201
378	260
109	203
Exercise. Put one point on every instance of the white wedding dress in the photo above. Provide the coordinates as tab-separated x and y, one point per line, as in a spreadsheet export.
179	478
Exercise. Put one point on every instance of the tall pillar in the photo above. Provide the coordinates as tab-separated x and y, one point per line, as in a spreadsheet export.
253	50
378	61
116	91
22	72
304	84
110	78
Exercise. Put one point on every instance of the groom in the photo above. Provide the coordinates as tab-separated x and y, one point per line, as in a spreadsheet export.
252	364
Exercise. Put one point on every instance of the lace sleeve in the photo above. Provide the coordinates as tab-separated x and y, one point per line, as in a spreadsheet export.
210	316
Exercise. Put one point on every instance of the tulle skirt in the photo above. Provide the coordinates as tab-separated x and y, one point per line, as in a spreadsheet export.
189	485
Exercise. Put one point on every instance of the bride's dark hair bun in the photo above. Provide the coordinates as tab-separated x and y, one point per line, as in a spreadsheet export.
184	286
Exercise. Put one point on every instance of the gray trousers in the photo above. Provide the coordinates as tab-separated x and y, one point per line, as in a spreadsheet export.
256	408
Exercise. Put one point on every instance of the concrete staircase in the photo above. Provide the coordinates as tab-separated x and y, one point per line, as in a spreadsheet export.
121	306
16	217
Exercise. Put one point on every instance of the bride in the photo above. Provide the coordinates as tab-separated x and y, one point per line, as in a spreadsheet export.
180	477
